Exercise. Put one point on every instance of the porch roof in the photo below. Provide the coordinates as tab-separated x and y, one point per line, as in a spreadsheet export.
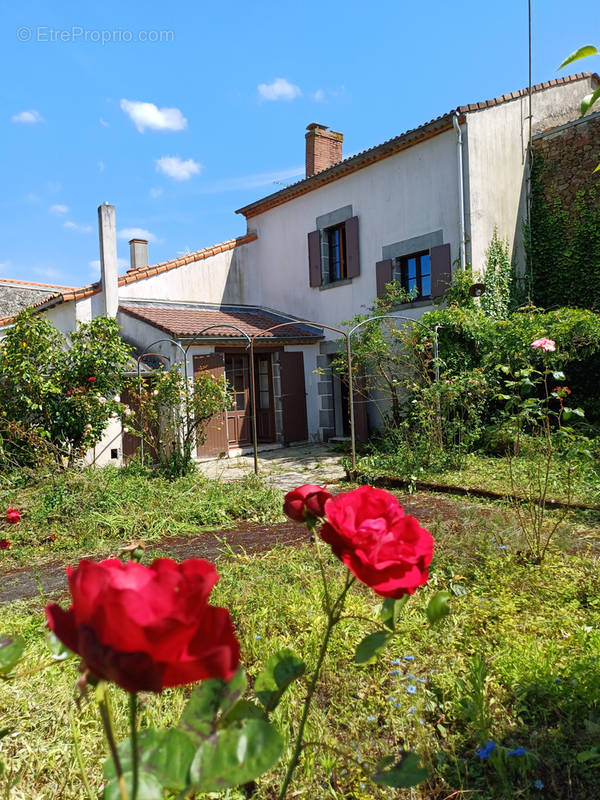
193	321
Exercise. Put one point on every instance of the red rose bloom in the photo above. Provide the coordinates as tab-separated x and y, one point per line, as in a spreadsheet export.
13	515
305	502
146	628
388	551
4	544
92	379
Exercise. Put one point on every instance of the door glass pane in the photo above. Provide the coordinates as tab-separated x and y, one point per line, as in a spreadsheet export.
425	264
264	399
412	268
425	285
240	401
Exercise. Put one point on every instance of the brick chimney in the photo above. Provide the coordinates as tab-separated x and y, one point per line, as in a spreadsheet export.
323	148
138	254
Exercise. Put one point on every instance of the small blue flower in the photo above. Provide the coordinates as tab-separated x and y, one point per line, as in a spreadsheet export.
397	661
538	784
421	680
412	709
420	721
371	718
396	672
409	677
520	751
486	750
411	688
501	547
408	658
390	698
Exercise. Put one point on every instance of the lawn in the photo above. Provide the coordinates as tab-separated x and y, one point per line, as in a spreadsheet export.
516	663
483	472
71	514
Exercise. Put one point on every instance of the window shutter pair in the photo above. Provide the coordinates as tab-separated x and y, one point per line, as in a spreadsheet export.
441	271
315	277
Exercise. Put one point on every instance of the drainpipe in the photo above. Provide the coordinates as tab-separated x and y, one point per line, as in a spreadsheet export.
461	191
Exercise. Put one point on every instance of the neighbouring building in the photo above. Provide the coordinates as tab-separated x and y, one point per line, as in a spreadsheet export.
414	208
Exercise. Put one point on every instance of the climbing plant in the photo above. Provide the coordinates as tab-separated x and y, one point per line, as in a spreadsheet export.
498	278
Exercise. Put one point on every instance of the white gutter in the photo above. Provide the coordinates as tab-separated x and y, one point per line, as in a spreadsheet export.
461	192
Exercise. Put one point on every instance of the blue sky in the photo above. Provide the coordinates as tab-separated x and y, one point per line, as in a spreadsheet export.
224	130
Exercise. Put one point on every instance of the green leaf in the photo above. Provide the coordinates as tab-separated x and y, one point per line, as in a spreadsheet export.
391	610
199	718
148	788
11	650
589	100
583	52
370	646
235	756
245	709
281	669
165	755
438	607
403	775
57	648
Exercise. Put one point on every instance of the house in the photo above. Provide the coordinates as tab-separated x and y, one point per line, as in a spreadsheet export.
413	208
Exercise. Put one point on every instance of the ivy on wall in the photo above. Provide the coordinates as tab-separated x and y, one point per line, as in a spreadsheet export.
563	258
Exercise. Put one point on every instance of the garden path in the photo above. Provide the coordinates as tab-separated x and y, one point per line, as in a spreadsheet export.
283	468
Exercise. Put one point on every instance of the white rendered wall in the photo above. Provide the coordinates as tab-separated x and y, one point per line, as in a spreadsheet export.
412	193
497	140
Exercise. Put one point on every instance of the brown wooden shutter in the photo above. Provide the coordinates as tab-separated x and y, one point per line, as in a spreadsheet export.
441	269
216	430
293	397
352	252
314	259
383	275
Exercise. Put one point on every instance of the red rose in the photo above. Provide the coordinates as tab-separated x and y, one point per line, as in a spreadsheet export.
146	628
13	515
388	551
4	544
305	502
92	379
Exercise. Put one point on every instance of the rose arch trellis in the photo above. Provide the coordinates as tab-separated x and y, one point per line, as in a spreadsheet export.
251	340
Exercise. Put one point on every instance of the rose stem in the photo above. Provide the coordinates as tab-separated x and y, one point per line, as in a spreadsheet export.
110	738
333	617
84	778
134	749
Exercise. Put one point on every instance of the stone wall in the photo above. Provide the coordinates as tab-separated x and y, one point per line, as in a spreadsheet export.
14	298
570	155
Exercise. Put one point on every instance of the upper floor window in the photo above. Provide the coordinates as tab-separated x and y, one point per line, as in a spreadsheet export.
336	246
414	272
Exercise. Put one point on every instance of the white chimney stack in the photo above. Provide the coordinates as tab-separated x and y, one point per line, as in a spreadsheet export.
138	253
107	228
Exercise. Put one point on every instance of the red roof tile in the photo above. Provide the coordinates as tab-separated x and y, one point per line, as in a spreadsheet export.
190	322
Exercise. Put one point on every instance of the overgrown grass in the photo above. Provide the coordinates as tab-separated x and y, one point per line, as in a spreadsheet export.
537	630
493	473
93	510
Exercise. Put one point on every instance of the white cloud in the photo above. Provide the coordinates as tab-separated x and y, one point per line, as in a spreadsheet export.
147	115
59	209
255	181
319	96
27	117
104	123
136	233
280	89
101	166
74	226
48	272
176	168
155	192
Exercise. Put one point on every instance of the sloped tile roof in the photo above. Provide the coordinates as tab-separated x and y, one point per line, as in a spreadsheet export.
191	322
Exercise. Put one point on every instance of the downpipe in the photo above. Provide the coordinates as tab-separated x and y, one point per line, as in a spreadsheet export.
461	190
